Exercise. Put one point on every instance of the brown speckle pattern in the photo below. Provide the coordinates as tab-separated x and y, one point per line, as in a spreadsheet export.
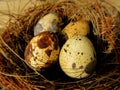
80	39
55	23
35	58
78	53
67	45
91	58
81	53
48	52
74	65
81	67
40	52
65	50
44	41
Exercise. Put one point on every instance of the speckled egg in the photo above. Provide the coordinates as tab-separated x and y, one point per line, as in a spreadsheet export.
43	50
78	57
50	22
80	27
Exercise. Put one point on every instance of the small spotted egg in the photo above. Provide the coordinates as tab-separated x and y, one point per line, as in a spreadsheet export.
43	50
77	57
80	27
49	22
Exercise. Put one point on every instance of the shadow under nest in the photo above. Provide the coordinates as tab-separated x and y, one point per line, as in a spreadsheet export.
104	35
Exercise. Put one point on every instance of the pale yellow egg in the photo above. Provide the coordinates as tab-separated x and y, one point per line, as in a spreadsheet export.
80	27
78	57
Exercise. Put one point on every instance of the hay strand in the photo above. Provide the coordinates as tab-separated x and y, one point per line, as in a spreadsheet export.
105	20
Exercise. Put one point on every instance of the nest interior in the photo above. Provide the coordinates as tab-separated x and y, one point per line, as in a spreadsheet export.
104	18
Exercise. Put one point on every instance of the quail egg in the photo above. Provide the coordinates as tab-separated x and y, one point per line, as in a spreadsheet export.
78	57
43	50
49	22
80	27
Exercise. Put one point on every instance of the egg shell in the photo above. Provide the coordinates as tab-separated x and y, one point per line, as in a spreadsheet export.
80	27
77	57
49	22
43	50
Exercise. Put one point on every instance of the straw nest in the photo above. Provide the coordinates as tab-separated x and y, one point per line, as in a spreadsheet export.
104	20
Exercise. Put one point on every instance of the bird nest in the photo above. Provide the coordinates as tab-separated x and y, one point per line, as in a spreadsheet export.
104	18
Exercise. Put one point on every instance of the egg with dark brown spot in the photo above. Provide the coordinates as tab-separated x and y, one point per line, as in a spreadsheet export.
43	50
44	41
77	57
80	27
